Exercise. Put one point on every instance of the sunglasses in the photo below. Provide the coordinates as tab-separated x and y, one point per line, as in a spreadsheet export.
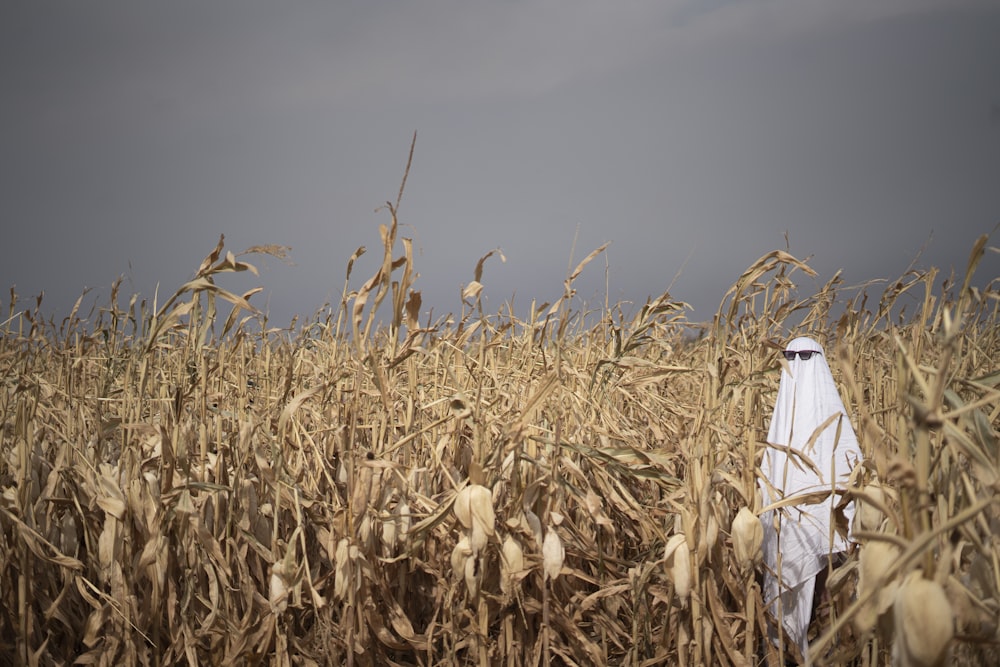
804	355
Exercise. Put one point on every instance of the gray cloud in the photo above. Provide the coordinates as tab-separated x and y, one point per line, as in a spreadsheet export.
692	135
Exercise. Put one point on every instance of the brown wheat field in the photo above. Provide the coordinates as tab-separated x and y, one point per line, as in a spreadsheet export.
181	484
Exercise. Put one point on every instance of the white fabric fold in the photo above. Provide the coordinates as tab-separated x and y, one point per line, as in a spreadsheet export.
798	537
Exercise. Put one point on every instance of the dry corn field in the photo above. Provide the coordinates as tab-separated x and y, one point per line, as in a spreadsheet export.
183	485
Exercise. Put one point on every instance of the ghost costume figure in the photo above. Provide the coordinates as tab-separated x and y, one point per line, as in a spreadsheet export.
795	550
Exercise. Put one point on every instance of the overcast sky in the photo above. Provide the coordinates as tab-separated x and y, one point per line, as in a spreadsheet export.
691	134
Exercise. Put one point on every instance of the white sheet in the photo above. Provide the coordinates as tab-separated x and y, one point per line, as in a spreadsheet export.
806	398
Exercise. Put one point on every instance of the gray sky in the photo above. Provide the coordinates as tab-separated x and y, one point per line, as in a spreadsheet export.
692	135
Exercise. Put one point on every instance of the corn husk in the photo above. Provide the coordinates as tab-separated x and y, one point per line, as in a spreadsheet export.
474	509
344	557
459	555
677	557
511	563
553	554
867	516
278	590
472	573
924	623
748	536
875	559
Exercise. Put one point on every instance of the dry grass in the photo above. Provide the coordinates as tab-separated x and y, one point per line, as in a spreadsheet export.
177	488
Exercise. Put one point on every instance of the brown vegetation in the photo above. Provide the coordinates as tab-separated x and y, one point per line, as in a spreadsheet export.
180	488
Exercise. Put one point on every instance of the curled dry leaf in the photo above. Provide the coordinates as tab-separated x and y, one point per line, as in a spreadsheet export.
95	626
111	499
595	507
972	619
472	290
108	544
532	524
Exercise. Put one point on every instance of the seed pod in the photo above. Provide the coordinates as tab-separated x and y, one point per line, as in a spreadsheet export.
595	507
748	535
677	557
924	623
553	554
